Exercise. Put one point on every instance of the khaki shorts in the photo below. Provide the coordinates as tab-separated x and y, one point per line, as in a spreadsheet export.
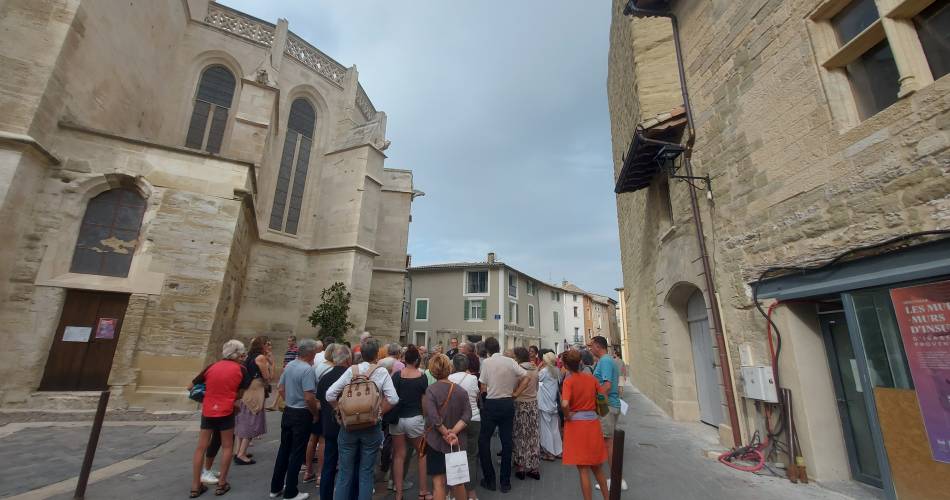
608	423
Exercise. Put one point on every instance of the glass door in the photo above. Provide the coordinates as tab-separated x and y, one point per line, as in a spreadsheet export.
852	406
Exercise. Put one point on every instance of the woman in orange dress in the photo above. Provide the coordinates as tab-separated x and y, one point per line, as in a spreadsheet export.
583	441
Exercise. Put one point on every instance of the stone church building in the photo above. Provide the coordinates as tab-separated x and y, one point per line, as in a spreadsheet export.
174	174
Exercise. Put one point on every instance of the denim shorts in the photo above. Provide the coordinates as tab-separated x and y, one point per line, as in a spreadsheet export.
412	427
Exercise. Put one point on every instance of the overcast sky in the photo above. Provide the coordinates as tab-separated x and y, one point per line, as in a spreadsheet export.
499	108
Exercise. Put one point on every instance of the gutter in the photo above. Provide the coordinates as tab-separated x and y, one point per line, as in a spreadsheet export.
631	9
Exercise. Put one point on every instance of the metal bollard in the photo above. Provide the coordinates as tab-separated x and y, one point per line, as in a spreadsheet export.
91	446
616	468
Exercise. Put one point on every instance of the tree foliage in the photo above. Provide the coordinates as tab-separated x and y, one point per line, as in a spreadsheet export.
332	315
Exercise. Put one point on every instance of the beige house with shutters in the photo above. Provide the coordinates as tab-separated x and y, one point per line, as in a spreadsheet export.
172	175
473	301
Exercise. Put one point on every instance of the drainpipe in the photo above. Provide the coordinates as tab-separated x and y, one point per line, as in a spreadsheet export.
633	10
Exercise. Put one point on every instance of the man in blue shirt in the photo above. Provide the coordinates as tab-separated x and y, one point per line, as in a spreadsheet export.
608	378
298	387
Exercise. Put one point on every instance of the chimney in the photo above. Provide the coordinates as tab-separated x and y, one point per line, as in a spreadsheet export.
491	258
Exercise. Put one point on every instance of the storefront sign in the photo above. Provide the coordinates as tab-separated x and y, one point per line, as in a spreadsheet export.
923	314
106	328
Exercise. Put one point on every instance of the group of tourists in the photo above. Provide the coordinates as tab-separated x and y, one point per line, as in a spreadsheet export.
347	411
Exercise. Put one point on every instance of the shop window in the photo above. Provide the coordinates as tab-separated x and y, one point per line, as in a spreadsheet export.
294	163
109	234
209	118
881	336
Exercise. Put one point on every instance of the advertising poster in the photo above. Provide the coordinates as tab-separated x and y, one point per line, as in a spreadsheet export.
106	328
923	313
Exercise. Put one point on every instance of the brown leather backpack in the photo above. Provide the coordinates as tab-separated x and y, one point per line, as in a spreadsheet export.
360	403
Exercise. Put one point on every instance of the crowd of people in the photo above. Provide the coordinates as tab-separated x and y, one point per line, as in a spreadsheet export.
423	405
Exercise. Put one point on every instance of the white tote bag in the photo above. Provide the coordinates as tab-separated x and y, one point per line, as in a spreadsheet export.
456	468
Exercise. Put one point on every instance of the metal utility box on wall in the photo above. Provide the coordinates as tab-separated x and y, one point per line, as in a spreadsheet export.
758	383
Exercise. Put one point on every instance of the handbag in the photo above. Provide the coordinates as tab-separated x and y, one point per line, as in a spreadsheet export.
421	449
602	408
253	397
197	393
456	467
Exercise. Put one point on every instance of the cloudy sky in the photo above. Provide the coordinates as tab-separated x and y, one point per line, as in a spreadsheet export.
499	108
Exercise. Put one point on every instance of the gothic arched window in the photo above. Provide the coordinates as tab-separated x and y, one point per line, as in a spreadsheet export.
210	116
294	161
109	234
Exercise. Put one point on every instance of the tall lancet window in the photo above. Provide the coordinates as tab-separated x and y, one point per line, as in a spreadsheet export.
210	116
294	162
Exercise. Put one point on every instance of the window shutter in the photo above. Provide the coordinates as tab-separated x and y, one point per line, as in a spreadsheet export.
466	315
484	309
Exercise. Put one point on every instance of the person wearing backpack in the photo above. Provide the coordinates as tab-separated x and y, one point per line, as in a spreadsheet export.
361	396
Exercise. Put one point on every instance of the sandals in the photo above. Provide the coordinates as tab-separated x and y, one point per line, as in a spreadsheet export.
197	493
222	489
308	478
240	461
425	496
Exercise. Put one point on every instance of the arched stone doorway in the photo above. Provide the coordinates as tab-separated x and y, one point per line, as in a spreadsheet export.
705	365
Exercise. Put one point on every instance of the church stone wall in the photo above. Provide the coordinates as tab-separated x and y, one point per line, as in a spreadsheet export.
82	116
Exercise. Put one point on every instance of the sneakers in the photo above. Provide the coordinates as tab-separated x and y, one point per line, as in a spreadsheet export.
623	485
209	477
301	496
277	494
405	485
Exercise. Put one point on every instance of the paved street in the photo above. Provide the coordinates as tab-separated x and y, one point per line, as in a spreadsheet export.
150	460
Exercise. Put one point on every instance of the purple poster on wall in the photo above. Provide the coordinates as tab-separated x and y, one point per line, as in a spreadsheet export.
923	313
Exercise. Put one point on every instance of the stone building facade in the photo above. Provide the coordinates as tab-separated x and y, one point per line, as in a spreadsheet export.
803	169
173	175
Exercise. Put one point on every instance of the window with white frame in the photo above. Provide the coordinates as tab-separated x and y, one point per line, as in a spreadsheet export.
475	310
476	282
513	312
420	337
529	286
873	52
557	326
577	334
575	297
530	316
575	311
512	285
422	309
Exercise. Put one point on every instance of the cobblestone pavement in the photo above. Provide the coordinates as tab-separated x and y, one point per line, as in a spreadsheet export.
150	460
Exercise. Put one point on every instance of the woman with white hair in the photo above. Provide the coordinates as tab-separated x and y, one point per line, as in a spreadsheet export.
317	444
548	401
222	380
340	359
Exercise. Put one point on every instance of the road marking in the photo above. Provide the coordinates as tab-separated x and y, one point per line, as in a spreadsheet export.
69	485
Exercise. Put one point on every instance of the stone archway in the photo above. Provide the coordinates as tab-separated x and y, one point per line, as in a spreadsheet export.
684	396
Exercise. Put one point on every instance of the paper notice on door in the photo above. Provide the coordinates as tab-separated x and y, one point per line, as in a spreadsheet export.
77	334
624	407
